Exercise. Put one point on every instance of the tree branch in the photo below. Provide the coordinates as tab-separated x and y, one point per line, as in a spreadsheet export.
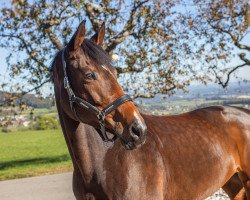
128	28
29	52
233	37
121	70
91	10
6	102
151	95
224	84
54	39
36	88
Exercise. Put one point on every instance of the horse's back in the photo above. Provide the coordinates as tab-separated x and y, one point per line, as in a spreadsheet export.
213	116
235	120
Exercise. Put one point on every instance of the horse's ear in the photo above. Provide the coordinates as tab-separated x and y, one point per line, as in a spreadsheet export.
99	36
78	37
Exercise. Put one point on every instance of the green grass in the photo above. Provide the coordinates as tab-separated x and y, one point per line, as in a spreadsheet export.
33	153
42	111
36	112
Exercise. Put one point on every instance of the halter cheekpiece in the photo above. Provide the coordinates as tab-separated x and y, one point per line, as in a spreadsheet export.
101	114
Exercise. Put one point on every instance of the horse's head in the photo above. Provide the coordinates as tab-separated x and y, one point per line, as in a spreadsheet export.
91	84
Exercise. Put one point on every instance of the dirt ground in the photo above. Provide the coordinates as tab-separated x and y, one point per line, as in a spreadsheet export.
51	187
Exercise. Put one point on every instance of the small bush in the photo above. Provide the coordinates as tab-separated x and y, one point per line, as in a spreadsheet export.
5	130
45	123
23	128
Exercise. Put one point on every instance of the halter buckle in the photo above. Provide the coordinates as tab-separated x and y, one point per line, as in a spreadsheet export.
101	116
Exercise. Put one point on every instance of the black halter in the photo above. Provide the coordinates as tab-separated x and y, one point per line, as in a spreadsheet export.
101	114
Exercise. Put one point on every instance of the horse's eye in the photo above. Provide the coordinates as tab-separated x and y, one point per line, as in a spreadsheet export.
90	76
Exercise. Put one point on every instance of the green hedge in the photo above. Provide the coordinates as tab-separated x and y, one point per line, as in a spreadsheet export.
45	123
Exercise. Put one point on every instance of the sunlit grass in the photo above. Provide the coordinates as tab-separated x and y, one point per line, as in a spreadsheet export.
32	153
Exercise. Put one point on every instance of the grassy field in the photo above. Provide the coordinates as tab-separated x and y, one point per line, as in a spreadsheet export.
32	153
41	111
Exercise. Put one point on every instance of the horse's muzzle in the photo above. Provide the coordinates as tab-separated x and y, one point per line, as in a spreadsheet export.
137	133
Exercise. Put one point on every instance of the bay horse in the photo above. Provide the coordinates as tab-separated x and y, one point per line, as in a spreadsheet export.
179	157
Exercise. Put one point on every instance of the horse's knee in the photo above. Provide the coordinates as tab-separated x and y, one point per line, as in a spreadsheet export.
78	186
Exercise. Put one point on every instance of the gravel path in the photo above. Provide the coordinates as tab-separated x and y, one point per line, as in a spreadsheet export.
220	195
51	187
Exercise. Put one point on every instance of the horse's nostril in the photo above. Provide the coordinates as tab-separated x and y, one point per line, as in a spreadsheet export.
136	131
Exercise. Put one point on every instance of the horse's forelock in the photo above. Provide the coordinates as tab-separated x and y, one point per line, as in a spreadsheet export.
96	53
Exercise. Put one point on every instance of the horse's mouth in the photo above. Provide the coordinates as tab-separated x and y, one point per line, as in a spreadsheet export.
129	146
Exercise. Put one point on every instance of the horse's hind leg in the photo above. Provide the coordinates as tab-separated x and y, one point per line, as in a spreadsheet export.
244	171
234	188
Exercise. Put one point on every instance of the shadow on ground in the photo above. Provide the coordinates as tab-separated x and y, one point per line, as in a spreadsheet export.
41	160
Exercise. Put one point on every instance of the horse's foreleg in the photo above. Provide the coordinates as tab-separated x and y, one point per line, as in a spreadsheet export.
234	187
78	185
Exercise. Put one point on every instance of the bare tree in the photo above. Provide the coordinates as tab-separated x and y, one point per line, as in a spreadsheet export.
218	32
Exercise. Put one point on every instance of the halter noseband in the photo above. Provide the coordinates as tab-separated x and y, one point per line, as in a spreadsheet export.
101	114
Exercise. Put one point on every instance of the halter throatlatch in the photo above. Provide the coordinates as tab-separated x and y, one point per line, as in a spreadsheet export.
101	114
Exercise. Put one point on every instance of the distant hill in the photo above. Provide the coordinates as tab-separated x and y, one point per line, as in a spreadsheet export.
29	99
210	91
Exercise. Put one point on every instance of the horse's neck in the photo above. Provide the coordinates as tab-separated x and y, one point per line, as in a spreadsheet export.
85	146
89	152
